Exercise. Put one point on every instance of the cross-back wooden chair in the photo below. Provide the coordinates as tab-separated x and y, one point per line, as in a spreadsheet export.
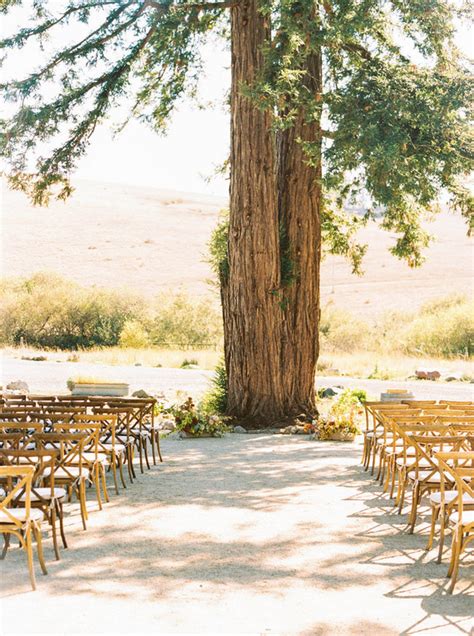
374	428
70	471
108	445
405	457
22	522
460	467
90	457
122	432
48	499
23	429
425	476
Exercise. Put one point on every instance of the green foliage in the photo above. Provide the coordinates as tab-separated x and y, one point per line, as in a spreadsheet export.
395	94
215	399
194	421
134	335
442	328
181	322
344	415
187	364
342	331
49	311
218	248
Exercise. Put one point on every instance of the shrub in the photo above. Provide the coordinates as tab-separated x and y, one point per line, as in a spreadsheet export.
442	328
180	322
48	311
342	331
215	399
134	335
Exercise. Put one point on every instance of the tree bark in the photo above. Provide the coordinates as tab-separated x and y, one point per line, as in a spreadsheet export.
299	206
251	305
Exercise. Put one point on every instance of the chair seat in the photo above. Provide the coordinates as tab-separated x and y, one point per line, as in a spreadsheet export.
449	496
467	517
20	514
118	448
72	472
91	457
45	493
423	475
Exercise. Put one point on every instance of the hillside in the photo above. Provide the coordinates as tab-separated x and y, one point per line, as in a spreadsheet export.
153	240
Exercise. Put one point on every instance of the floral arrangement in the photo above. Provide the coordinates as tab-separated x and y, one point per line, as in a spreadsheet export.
192	420
342	421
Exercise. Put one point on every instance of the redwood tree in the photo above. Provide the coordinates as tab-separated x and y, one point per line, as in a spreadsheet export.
330	100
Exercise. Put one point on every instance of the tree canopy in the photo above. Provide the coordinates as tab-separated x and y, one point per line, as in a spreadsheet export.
395	102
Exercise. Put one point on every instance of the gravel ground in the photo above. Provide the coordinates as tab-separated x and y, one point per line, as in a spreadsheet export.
249	534
51	377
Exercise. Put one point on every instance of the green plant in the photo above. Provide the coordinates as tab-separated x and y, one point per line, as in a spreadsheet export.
344	415
193	420
134	335
215	399
192	362
180	321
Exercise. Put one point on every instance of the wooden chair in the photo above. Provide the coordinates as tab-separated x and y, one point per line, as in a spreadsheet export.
90	457
109	446
22	522
460	467
70	471
48	499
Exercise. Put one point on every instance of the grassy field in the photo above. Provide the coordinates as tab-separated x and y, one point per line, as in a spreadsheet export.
363	364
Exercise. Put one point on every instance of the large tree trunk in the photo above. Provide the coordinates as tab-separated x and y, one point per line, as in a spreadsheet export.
251	305
299	204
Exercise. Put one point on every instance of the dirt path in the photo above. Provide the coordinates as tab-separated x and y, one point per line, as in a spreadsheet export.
247	534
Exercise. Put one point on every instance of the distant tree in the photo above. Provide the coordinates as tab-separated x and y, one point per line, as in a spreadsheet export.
329	99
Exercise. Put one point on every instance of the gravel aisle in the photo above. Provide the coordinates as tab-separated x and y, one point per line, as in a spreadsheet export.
250	534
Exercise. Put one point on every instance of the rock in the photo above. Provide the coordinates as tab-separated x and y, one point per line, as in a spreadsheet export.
453	377
141	394
166	425
328	392
138	364
427	374
18	385
175	435
239	429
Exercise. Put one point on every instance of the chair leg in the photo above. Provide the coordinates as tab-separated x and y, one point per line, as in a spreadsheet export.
54	531
6	544
96	479
120	466
434	517
457	549
414	507
60	513
153	442
113	467
29	555
157	441
81	495
145	452
104	483
39	545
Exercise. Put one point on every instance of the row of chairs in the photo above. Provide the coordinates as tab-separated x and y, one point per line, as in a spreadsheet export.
426	448
52	448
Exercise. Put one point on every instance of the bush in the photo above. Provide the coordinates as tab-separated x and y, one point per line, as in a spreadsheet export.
442	328
342	331
215	400
50	312
134	335
180	322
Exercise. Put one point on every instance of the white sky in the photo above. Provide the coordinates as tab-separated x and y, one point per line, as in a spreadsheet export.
196	143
